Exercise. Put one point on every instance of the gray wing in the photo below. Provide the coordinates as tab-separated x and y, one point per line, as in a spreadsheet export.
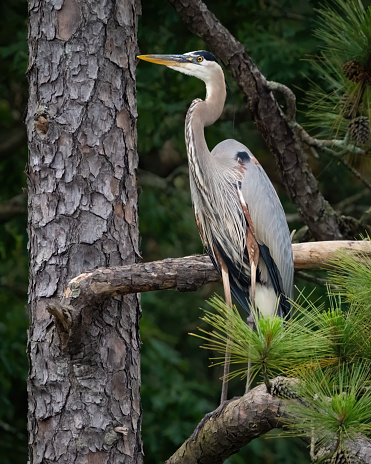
269	220
267	215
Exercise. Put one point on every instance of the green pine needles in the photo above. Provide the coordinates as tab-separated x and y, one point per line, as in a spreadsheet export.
341	104
333	407
326	346
273	347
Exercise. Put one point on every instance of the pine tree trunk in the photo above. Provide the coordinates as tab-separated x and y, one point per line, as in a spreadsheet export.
84	399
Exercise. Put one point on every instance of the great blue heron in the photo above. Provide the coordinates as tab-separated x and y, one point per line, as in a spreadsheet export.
238	213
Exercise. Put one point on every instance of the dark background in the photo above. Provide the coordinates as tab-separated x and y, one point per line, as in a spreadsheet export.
178	387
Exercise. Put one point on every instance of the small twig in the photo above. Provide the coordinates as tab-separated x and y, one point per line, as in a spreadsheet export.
61	312
289	97
326	145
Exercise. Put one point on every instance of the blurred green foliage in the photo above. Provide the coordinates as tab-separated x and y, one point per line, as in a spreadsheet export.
13	237
177	386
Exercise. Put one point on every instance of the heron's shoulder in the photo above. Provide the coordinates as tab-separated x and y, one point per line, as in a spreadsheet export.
232	149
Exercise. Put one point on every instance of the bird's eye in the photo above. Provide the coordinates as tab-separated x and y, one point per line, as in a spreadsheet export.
199	59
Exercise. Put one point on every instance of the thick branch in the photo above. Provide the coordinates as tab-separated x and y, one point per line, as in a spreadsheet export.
224	431
86	291
315	255
184	274
188	273
270	120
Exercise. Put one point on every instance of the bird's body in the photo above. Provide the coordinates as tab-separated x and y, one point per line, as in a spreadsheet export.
238	213
274	276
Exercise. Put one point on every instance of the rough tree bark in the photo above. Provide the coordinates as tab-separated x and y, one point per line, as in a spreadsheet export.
291	158
83	399
227	429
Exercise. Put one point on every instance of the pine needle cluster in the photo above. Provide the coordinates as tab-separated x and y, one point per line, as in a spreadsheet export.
341	103
326	346
334	407
272	347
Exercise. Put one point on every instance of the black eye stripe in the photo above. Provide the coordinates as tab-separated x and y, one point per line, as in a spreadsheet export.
206	55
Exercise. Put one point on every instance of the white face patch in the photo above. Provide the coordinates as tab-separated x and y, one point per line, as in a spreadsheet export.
203	70
185	68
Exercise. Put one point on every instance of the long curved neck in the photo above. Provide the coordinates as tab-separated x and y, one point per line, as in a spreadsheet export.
200	115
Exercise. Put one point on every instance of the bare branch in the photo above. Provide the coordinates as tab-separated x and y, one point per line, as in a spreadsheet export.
289	97
184	274
326	145
188	273
224	431
85	292
315	255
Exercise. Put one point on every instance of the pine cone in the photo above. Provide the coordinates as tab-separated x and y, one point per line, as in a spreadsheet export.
354	71
346	105
283	390
359	129
338	457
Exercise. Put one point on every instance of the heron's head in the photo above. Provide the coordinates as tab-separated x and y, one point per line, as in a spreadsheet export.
200	64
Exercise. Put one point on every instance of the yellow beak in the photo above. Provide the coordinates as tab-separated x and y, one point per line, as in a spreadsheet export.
167	60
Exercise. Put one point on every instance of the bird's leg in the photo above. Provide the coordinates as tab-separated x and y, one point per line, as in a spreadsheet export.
251	324
250	320
253	282
227	359
228	301
253	252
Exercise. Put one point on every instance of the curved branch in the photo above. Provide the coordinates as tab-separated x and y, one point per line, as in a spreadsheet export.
289	97
291	158
227	429
224	431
